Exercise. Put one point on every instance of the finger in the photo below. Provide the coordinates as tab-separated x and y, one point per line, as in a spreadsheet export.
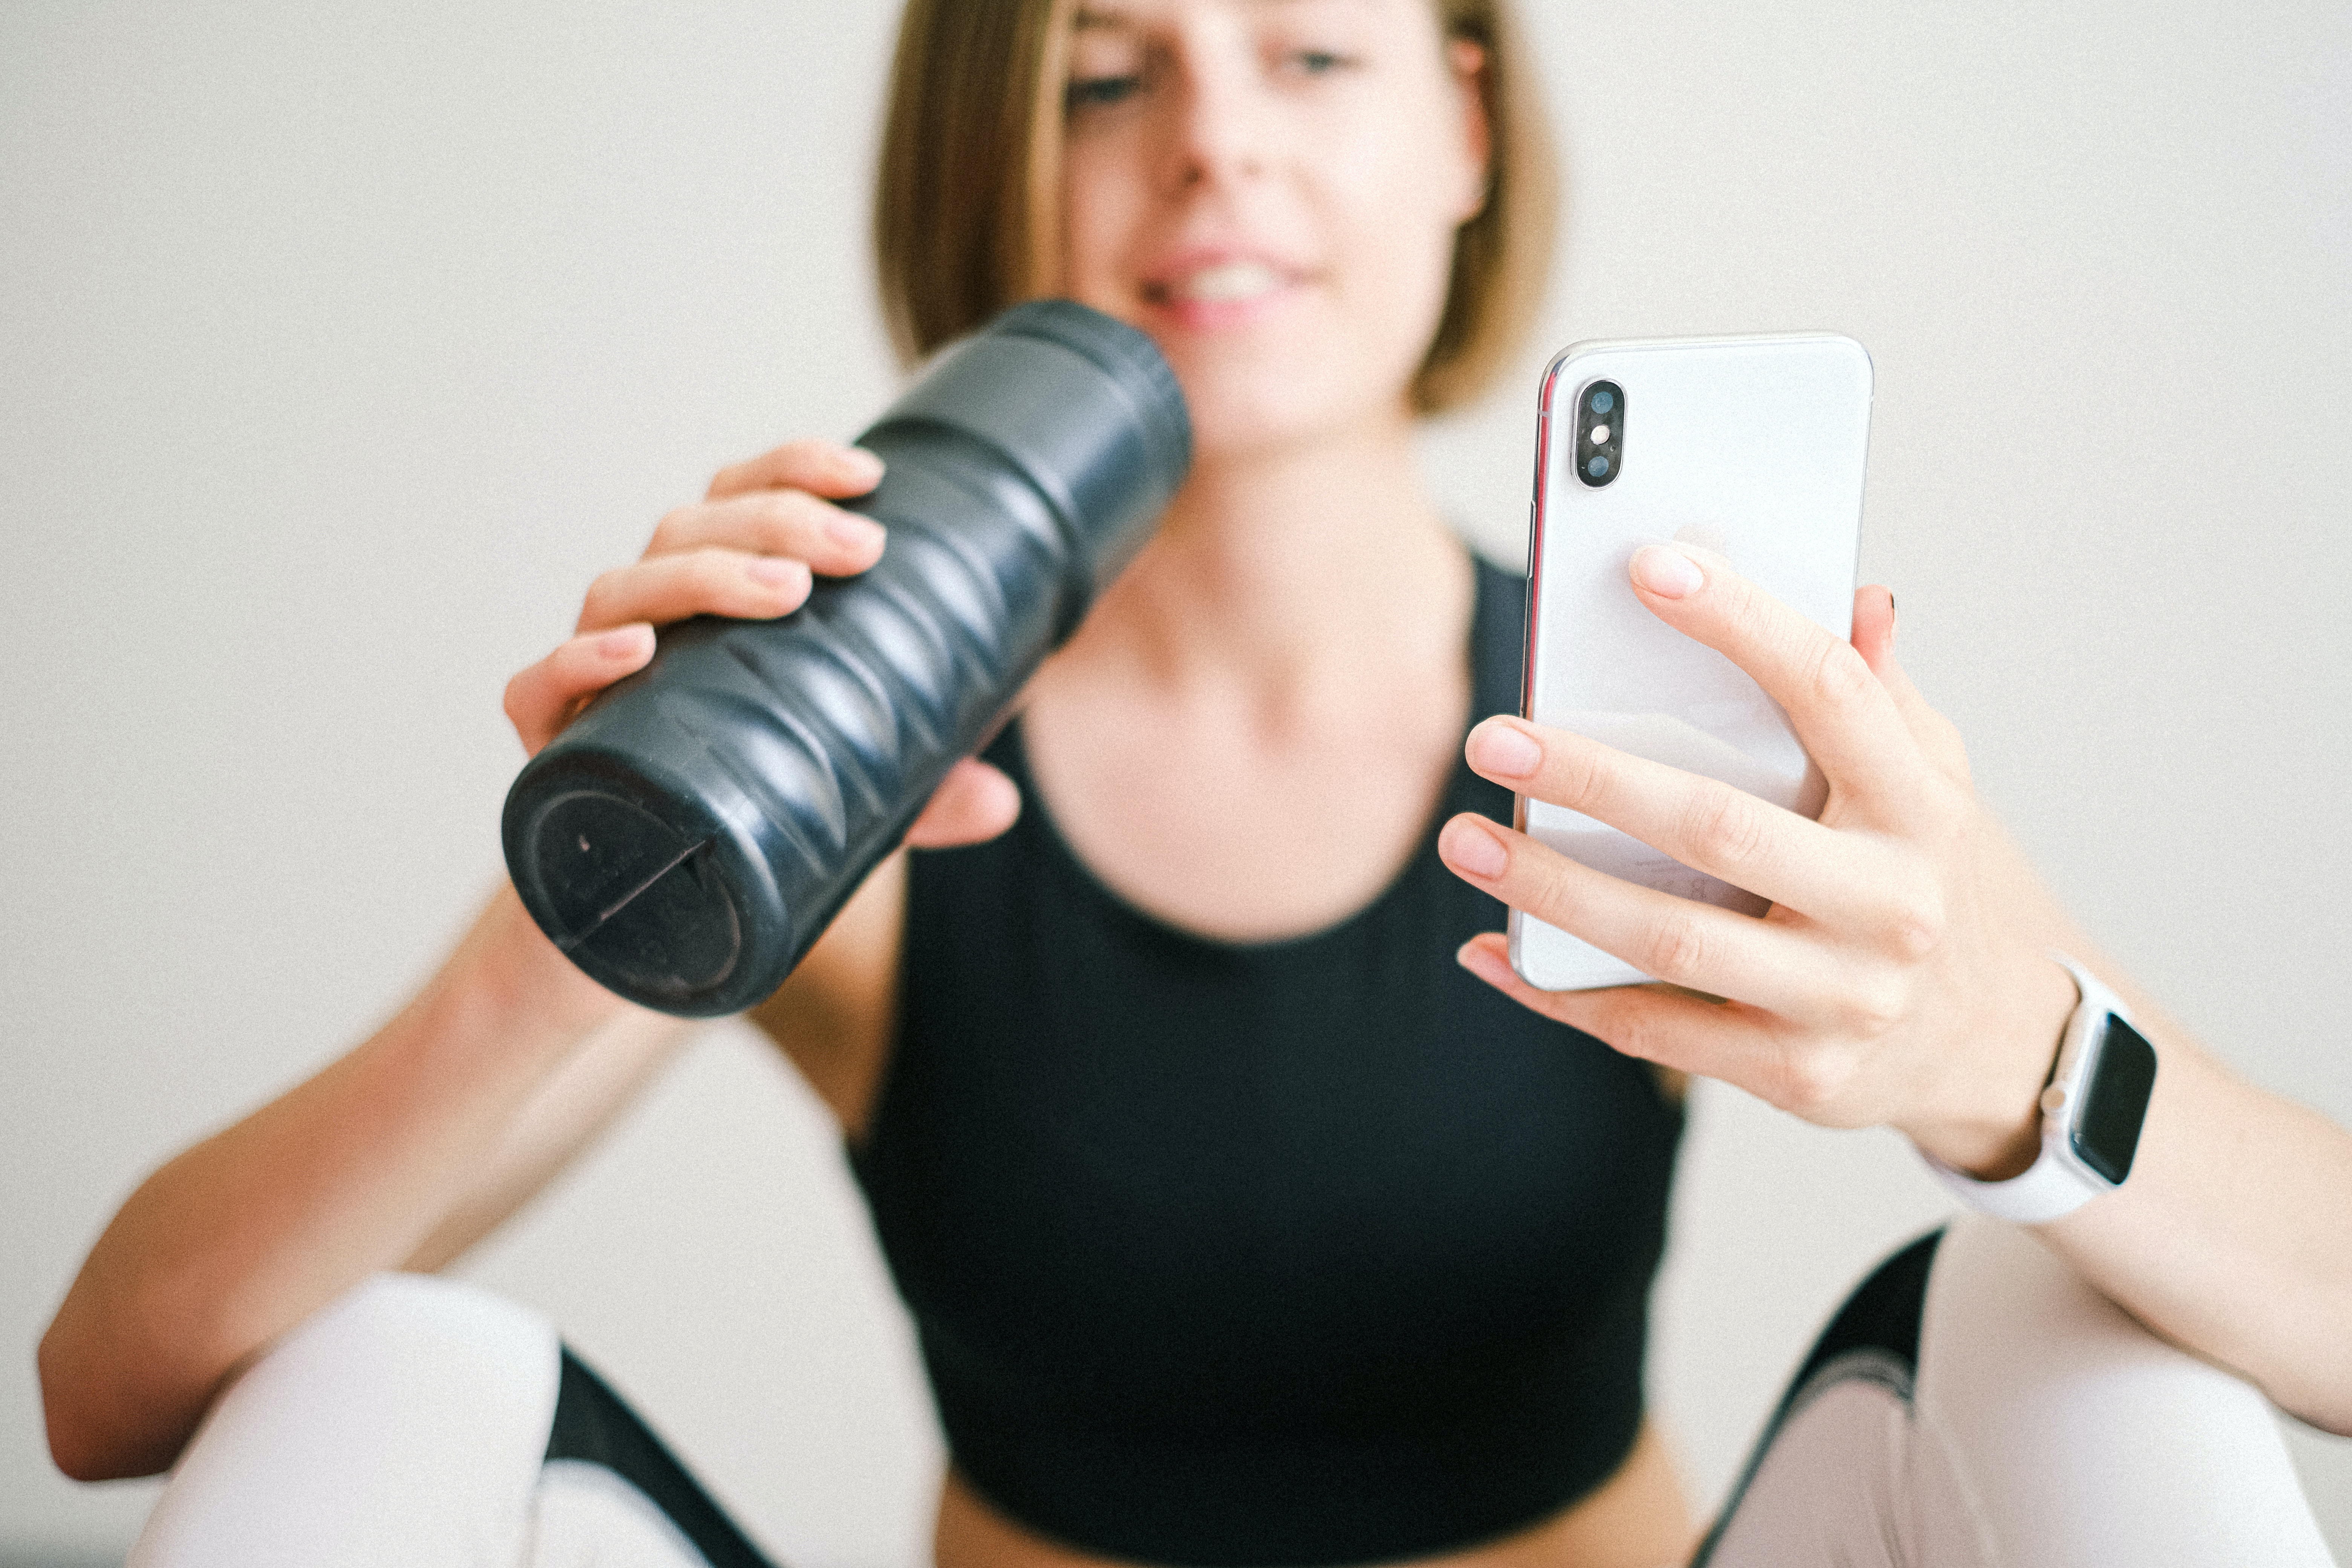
1689	1034
792	523
1844	717
820	468
1874	625
1718	1040
1723	831
546	696
974	803
1873	639
706	581
1673	939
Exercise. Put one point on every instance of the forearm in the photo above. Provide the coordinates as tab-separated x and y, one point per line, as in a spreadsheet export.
1901	979
2233	1235
232	1242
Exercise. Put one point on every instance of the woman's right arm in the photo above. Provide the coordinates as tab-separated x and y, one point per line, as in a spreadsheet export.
403	1153
244	1235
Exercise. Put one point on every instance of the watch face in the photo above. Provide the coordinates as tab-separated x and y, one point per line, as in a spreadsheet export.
2115	1101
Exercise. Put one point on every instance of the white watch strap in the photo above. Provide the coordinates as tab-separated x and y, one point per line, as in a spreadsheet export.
2048	1189
2056	1184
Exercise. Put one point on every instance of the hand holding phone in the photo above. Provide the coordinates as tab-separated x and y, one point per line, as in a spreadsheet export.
1898	974
1751	448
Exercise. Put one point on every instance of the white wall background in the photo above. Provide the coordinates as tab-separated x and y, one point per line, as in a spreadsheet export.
339	348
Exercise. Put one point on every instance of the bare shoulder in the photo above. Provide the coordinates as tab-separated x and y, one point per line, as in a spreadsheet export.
833	1018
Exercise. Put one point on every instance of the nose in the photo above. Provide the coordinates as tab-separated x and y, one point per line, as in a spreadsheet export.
1224	128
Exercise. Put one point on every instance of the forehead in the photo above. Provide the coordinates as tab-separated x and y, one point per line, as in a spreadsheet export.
1096	14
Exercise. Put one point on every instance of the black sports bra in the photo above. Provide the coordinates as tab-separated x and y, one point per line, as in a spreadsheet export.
1311	1251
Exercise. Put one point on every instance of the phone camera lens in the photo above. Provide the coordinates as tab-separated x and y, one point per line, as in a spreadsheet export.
1599	434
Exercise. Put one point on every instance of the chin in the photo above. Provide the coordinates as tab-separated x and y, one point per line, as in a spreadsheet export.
1250	399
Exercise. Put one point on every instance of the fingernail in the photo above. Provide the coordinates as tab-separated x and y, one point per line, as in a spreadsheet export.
1499	748
864	465
852	531
622	642
775	571
1466	847
1666	572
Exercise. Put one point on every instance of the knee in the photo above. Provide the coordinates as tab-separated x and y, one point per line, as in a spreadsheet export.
399	1341
406	1398
394	1318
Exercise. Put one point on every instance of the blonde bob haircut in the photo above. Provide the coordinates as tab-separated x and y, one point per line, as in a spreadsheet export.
966	218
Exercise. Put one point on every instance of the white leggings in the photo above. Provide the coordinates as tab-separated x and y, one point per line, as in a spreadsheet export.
1973	1402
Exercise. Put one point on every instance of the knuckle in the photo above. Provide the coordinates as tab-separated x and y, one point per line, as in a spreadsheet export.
1916	922
763	522
1746	612
1678	947
734	478
1541	882
1582	776
515	701
1727	827
1628	1031
603	592
1811	1082
794	518
1838	676
1875	1005
715	574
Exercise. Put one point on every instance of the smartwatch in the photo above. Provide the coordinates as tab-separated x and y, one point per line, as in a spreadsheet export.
2092	1109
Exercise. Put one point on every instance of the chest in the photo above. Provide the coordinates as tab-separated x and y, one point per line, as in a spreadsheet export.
1342	1152
1244	826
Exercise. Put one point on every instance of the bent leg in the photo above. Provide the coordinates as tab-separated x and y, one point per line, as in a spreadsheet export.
400	1428
2085	1439
1975	1401
422	1423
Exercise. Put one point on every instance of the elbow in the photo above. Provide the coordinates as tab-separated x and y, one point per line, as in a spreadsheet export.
2328	1410
2311	1377
85	1443
75	1447
2317	1396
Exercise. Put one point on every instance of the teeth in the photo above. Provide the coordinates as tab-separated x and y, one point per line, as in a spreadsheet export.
1228	281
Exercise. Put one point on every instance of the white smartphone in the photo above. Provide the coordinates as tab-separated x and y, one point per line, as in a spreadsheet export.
1752	448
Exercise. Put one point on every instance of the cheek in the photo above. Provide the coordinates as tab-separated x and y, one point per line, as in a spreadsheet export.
1104	205
1394	210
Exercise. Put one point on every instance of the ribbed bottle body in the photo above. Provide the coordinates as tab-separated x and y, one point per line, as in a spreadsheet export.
690	836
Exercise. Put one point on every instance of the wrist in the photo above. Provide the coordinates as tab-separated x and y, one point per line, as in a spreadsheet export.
1988	1122
509	973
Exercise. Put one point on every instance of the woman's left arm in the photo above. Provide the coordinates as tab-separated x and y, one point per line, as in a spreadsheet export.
1901	978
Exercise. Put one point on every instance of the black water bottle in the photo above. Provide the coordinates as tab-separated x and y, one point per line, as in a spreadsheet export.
691	834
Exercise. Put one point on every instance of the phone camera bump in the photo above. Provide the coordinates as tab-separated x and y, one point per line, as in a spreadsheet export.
1600	433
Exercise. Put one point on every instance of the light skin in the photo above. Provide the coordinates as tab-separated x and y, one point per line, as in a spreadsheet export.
1900	979
1246	739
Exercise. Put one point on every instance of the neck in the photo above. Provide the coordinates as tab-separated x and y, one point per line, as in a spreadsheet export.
1307	567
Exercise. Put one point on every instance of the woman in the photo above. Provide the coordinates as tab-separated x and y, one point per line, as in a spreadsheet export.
1241	1224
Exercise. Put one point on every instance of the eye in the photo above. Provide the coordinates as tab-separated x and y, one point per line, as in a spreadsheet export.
1100	92
1318	62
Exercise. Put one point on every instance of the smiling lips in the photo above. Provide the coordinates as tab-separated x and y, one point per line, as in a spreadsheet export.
1226	283
1221	292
